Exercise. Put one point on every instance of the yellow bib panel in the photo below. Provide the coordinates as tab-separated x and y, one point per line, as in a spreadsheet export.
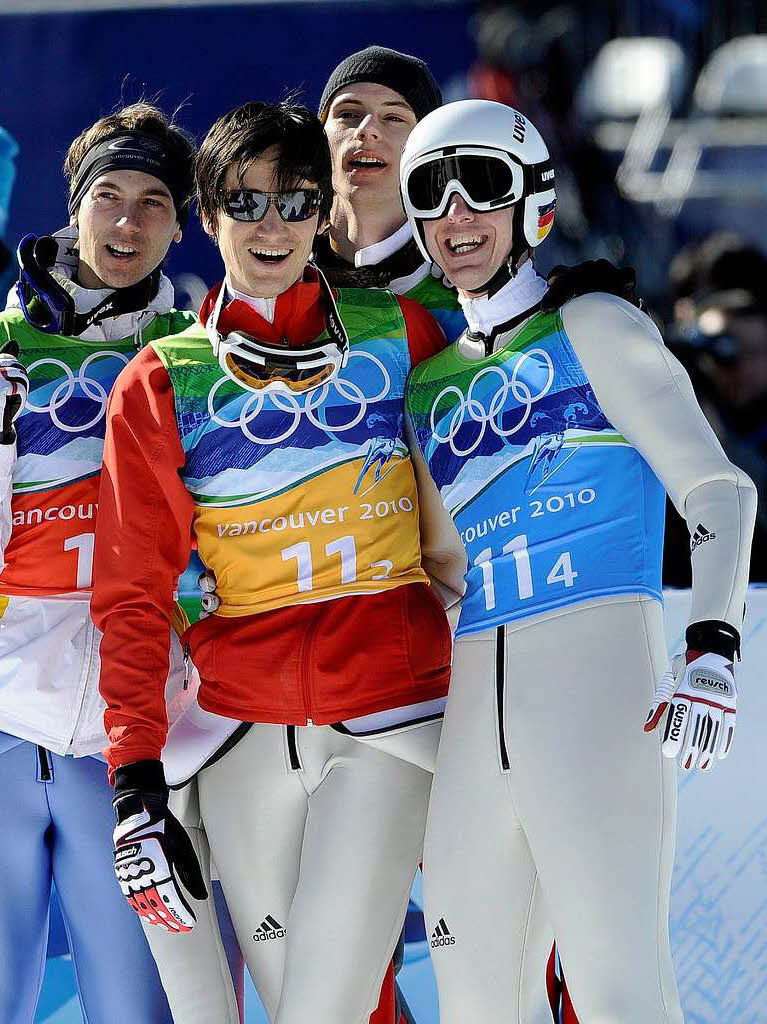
302	497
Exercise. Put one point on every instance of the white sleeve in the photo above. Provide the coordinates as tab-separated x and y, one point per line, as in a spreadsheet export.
443	555
646	394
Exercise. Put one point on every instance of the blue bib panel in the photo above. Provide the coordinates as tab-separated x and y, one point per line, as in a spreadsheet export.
553	505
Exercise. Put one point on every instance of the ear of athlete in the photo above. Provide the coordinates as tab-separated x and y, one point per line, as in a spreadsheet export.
565	283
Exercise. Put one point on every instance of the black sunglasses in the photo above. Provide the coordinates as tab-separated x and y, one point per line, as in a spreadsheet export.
249	204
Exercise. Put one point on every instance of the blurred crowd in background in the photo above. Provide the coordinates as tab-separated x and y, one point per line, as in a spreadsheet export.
656	116
655	112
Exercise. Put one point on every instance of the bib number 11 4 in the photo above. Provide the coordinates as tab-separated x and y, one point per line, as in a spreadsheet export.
561	572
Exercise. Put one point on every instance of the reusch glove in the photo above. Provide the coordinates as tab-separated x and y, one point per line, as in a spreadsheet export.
153	853
14	388
699	695
565	283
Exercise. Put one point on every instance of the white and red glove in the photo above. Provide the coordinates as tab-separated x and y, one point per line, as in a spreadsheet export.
14	388
153	853
699	695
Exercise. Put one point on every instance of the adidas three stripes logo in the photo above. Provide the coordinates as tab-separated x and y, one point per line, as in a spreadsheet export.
441	935
270	928
700	536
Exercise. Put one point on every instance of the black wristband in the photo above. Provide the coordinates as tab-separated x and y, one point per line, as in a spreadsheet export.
147	776
715	637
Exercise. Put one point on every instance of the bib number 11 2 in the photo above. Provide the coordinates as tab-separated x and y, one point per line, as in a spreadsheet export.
561	572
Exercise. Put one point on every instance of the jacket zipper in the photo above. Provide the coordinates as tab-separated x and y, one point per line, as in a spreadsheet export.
305	670
187	653
45	765
85	677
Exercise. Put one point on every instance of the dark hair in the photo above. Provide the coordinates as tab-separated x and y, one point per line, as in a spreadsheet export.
244	134
140	117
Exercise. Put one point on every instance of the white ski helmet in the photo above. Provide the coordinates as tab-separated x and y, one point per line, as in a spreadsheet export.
485	148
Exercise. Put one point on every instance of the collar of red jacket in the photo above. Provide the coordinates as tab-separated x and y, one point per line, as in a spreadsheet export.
299	315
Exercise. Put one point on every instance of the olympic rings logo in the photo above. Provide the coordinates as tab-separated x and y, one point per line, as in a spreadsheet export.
519	389
93	389
309	405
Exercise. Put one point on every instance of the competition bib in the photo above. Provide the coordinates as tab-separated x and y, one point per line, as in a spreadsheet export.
56	476
60	448
552	504
302	497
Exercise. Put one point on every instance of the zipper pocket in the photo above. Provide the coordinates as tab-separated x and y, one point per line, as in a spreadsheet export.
293	754
500	696
44	766
305	689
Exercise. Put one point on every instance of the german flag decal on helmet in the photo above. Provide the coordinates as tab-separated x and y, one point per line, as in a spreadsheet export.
545	219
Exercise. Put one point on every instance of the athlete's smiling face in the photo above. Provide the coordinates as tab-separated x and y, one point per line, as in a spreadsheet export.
367	128
470	247
263	258
126	222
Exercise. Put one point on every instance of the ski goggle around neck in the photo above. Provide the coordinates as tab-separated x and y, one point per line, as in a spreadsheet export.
249	204
44	303
261	366
486	179
49	307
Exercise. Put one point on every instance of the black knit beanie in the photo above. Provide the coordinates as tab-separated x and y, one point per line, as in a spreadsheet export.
406	75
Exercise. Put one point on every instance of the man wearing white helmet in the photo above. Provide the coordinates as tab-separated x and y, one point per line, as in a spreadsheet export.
551	437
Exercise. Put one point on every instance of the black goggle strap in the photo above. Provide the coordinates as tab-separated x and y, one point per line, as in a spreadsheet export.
37	256
538	177
211	325
333	322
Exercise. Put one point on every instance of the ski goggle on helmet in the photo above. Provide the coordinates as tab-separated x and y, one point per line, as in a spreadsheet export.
488	153
262	367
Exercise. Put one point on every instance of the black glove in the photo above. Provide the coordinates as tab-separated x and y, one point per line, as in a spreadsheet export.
153	853
567	283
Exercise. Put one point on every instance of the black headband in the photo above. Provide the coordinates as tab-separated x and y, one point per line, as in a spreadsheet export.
132	151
